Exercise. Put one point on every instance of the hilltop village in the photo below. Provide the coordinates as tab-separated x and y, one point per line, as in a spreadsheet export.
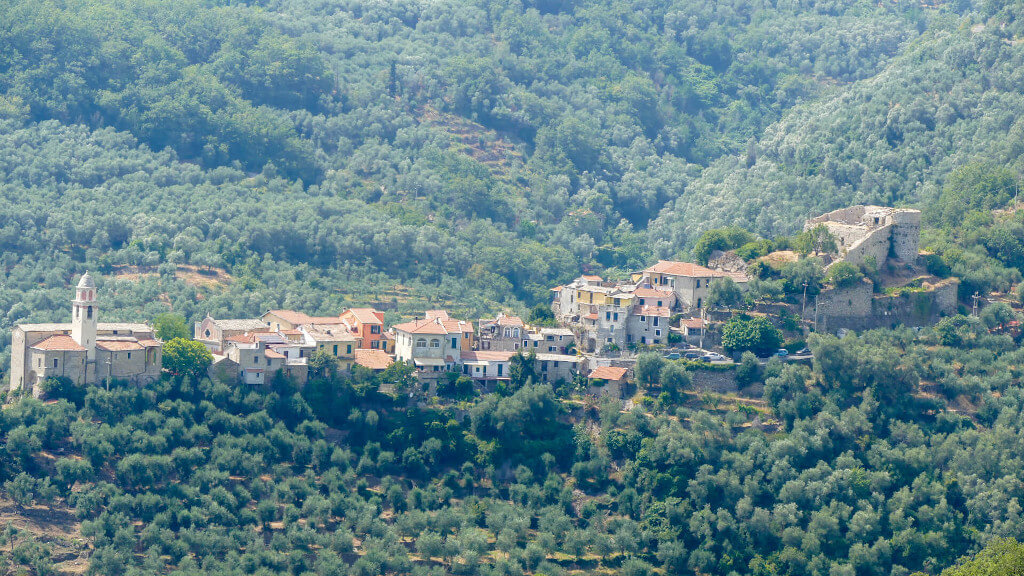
593	333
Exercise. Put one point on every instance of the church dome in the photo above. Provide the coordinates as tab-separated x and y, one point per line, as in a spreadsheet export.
86	281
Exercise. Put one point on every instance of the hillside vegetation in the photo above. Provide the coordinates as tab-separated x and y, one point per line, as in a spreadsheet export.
395	153
899	451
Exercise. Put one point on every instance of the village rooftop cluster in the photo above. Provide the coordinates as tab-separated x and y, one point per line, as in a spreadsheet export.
594	320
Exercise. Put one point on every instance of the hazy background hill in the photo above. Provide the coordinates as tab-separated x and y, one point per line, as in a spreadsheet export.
225	157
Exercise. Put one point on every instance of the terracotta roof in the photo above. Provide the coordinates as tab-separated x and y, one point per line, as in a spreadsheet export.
373	359
652	293
241	338
693	323
422	327
291	332
290	316
453	326
591	278
648	310
510	321
682	269
365	315
331	335
59	342
488	355
118	345
591	316
150	343
273	354
608	373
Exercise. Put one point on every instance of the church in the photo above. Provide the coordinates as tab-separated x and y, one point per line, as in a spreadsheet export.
85	351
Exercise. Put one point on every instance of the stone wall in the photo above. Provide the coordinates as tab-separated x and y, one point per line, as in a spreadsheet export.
17	358
878	232
906	235
875	245
857	308
718	381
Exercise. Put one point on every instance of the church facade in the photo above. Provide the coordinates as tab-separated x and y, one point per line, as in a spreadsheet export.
85	351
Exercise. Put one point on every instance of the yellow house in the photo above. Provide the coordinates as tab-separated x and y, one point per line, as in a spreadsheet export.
334	339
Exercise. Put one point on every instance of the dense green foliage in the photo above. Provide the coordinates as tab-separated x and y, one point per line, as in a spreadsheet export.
756	334
849	468
399	154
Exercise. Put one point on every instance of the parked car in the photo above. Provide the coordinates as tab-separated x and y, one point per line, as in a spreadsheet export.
672	356
803	352
691	355
706	358
782	352
716	357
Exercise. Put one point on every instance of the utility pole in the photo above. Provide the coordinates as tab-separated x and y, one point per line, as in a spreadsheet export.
803	308
109	354
702	329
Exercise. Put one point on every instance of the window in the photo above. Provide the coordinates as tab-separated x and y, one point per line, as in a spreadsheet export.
435	343
115	332
54	362
421	343
616	316
698	302
455	342
643	318
657	341
500	366
526	343
348	349
335	349
607	315
40	363
375	329
207	332
544	366
641	301
76	311
657	332
88	313
643	339
129	355
657	321
618	302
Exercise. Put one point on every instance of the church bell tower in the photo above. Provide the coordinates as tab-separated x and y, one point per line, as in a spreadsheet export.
84	313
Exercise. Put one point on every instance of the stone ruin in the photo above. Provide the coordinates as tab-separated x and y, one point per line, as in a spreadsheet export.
879	232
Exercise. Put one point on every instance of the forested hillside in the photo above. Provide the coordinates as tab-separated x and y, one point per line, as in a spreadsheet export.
227	157
397	152
951	98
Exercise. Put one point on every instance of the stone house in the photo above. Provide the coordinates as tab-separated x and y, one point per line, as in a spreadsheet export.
552	367
213	333
503	333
